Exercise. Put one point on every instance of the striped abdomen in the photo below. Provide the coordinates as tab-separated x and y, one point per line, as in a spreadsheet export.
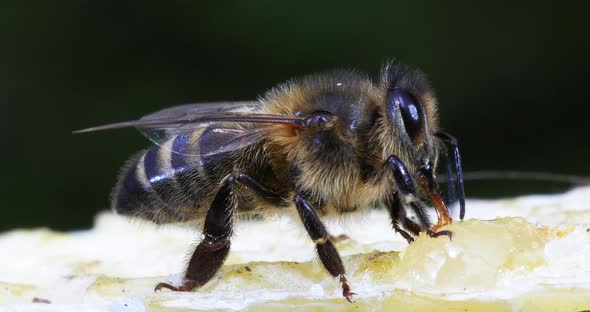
163	186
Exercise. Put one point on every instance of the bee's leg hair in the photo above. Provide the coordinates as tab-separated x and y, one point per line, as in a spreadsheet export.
399	220
408	197
211	252
325	249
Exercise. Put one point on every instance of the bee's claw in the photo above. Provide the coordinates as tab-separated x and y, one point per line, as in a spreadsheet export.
186	286
439	233
348	295
161	286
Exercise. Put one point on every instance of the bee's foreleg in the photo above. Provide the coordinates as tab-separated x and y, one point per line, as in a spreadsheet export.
211	252
325	249
399	220
407	196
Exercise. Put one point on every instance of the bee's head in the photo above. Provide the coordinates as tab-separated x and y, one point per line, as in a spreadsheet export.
409	125
409	115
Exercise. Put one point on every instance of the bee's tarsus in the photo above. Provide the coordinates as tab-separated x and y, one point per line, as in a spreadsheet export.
404	234
399	218
405	197
346	293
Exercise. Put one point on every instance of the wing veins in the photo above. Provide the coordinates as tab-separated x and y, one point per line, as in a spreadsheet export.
172	122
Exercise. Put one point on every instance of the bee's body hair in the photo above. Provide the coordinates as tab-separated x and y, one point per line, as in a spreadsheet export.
339	174
322	146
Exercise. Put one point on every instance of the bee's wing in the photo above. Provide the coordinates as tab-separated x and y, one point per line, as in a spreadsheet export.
211	140
205	108
205	128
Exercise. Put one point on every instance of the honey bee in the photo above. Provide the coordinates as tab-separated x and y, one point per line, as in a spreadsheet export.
322	145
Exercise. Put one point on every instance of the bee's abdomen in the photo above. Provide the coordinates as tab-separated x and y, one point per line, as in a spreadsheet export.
162	186
132	194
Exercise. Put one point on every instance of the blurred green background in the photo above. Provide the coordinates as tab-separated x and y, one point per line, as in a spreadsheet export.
512	80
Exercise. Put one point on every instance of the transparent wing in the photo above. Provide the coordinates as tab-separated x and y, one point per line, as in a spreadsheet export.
193	149
205	108
183	114
212	140
205	128
200	115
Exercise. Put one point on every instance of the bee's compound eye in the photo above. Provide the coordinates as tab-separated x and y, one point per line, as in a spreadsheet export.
411	112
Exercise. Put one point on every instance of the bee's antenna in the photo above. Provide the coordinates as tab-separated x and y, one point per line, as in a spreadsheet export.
523	175
453	142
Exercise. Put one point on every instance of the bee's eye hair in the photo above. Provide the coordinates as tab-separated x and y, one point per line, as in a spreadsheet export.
410	109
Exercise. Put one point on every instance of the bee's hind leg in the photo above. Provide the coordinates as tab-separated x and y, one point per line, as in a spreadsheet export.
211	252
406	196
325	249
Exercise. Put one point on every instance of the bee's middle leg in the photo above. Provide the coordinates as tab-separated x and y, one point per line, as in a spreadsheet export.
325	249
405	196
211	252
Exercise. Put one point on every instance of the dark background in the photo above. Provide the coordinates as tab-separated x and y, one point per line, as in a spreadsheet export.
512	80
